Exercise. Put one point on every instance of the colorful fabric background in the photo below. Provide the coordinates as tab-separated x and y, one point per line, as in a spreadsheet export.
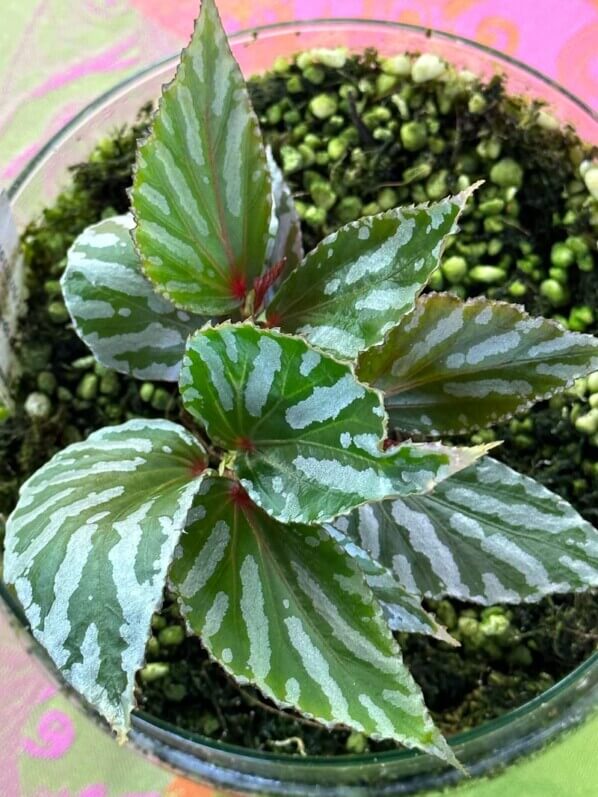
56	56
50	748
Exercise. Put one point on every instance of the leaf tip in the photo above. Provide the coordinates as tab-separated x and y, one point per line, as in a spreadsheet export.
480	450
467	192
122	734
443	635
439	747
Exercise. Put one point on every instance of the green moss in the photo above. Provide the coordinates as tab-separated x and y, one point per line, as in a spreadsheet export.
358	158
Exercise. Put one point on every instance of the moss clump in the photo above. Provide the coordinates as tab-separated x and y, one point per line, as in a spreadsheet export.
355	136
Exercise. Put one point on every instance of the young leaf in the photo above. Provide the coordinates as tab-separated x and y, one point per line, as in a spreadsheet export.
361	280
452	365
402	610
308	435
282	607
285	241
201	190
88	548
488	535
285	247
115	309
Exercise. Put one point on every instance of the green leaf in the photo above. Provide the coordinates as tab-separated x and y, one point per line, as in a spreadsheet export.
487	534
88	548
451	366
201	190
284	608
115	309
285	228
308	435
361	280
402	610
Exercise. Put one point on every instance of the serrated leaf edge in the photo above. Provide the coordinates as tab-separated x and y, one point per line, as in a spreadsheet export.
277	332
148	137
441	631
477	451
441	749
122	730
459	199
525	404
528	599
77	327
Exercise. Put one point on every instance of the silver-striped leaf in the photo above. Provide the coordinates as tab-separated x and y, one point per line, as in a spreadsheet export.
285	609
487	534
361	280
285	227
451	365
201	191
115	309
402	610
307	435
88	548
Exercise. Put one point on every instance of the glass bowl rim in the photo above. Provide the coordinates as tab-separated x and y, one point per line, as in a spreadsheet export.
245	37
144	720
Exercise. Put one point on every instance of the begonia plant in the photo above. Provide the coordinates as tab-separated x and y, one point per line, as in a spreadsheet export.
304	506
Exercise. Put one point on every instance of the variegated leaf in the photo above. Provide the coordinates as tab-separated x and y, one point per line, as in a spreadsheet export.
452	365
308	435
88	549
201	190
285	227
487	534
284	608
115	309
402	610
361	280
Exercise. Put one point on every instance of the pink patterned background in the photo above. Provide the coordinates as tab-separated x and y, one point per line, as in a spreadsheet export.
56	55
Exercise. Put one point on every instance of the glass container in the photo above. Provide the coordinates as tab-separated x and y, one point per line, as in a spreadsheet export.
490	746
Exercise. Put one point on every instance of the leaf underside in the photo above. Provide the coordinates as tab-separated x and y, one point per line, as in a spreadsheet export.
115	309
402	610
282	607
361	280
453	365
285	227
487	535
88	549
308	435
201	191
